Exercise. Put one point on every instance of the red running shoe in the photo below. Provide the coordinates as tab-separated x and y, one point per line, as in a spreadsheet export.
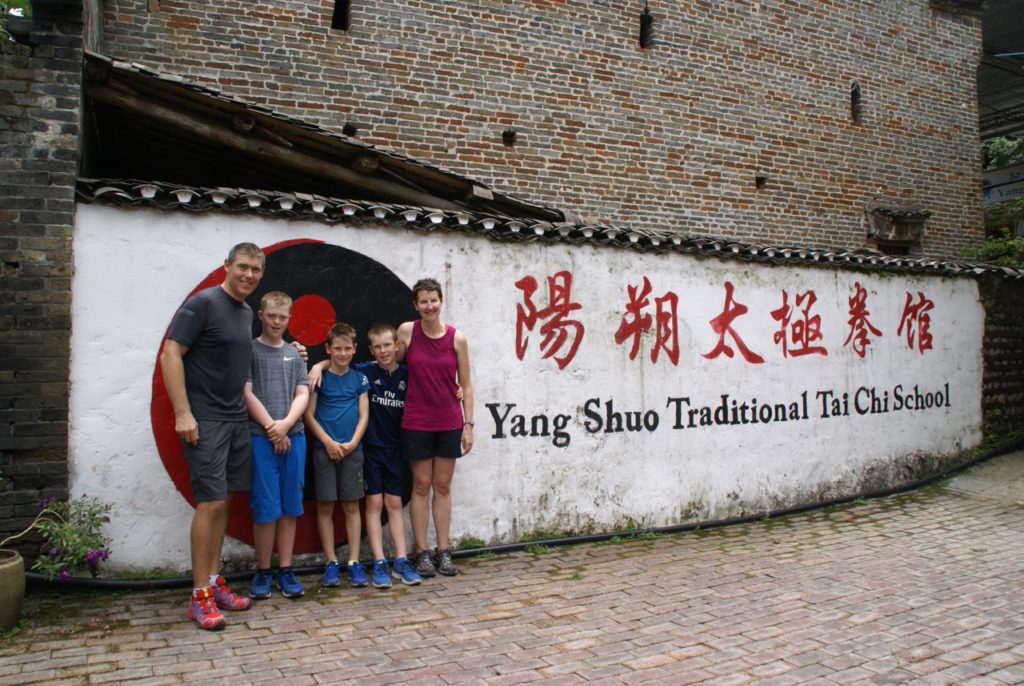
203	610
225	599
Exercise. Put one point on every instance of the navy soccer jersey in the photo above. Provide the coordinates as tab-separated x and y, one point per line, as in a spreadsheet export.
387	399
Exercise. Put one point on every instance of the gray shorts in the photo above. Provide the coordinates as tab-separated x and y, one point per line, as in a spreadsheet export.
221	462
341	480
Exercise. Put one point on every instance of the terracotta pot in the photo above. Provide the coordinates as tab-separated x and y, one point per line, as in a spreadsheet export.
12	588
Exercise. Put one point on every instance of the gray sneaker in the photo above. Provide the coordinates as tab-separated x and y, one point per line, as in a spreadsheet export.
424	565
443	563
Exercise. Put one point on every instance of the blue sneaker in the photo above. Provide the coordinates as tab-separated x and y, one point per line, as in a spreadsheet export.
403	570
289	585
261	581
381	574
332	574
357	575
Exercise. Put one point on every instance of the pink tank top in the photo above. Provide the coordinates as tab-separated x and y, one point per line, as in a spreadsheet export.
430	402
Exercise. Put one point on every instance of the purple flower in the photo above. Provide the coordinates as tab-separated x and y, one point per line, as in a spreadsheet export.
63	576
54	552
96	555
45	502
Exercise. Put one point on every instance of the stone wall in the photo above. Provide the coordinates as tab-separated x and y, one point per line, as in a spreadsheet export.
1003	385
668	137
39	126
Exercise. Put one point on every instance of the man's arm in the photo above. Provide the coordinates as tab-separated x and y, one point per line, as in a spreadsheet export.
172	364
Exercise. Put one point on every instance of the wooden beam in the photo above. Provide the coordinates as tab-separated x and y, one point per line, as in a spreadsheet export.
274	152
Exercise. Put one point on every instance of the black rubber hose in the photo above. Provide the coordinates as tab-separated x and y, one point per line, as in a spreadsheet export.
36	580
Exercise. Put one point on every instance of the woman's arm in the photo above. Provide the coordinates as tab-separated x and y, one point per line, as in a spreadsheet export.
404	336
465	381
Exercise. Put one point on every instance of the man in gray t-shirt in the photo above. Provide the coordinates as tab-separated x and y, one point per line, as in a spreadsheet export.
205	363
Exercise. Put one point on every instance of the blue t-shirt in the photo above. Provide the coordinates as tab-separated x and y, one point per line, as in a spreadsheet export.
387	399
337	403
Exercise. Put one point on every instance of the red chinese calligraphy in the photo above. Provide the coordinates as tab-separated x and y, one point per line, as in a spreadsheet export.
917	320
635	321
722	325
666	335
799	331
860	325
558	330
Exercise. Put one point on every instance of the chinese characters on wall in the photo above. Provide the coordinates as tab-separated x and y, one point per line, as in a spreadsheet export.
555	318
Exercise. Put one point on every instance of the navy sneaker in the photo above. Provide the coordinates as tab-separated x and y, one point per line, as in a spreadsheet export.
381	574
332	574
424	565
289	585
261	581
357	575
403	570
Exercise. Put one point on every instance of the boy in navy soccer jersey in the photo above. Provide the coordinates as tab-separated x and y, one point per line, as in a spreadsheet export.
384	468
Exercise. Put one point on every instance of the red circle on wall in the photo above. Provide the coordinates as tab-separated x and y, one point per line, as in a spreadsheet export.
312	317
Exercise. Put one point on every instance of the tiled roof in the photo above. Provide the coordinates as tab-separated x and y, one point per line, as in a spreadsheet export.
176	197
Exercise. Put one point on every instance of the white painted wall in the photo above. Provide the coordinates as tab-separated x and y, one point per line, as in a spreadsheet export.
134	267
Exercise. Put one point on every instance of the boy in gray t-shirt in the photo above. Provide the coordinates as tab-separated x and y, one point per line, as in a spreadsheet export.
276	394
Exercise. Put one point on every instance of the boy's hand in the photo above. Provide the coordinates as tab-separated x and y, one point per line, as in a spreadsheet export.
316	372
282	446
335	450
277	430
302	351
458	391
348	448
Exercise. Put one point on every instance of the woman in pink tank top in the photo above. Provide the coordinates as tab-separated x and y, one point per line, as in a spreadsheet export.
437	428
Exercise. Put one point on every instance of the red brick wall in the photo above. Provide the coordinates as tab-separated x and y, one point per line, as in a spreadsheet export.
670	137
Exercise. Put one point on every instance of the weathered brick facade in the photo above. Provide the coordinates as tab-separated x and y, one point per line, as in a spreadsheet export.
669	137
39	125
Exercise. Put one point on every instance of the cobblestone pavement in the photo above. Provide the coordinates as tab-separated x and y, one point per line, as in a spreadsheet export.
922	588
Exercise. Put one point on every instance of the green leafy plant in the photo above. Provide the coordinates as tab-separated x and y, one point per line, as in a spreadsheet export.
1002	247
72	537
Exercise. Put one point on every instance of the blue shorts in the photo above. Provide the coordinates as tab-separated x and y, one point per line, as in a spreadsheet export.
277	479
384	470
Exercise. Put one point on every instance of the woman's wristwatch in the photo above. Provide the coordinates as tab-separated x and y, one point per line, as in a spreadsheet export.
469	423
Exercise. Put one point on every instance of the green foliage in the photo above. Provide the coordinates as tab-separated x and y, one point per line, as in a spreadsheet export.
470	543
9	8
72	537
1002	248
1001	151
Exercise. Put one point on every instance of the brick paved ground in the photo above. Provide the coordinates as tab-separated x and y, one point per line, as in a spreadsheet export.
922	588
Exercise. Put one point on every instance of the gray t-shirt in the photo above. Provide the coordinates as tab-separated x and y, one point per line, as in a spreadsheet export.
275	372
218	332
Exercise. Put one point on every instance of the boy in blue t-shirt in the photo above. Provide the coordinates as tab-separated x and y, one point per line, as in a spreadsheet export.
337	416
384	469
276	395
